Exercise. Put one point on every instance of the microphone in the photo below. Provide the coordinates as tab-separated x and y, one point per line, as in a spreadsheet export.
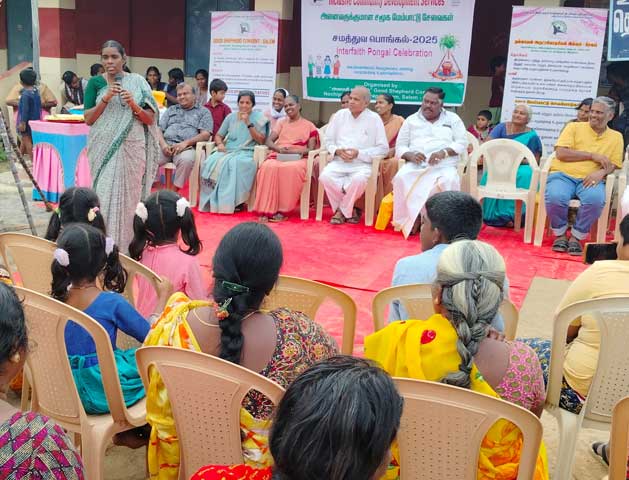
118	80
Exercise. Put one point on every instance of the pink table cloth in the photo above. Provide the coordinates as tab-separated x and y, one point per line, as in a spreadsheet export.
59	157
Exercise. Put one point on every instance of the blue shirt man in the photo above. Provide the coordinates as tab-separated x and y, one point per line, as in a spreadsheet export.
448	217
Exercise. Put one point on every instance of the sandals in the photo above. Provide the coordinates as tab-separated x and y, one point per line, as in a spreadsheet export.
337	219
356	217
574	248
599	451
560	245
278	217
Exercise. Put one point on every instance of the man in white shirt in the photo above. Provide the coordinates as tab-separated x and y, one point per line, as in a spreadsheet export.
353	137
430	141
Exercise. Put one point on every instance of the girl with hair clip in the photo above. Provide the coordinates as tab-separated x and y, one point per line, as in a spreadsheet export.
455	348
83	262
76	205
156	226
279	344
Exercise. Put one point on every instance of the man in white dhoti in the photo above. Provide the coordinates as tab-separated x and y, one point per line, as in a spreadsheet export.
430	141
353	137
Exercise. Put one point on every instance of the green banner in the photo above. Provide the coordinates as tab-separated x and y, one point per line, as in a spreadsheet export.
402	91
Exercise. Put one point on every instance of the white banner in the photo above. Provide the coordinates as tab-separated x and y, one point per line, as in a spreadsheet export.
400	47
554	63
243	53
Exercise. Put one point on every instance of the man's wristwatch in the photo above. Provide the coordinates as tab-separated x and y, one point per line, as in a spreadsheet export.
251	125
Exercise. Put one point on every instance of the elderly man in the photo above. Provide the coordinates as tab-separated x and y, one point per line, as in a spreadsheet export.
183	125
353	137
430	141
585	153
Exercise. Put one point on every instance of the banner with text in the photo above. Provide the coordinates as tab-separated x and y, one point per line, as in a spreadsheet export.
554	63
400	47
618	40
243	53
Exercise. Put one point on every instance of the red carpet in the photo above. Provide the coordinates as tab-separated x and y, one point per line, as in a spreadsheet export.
360	260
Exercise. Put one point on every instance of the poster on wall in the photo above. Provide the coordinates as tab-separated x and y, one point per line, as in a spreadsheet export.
400	47
618	39
243	53
554	63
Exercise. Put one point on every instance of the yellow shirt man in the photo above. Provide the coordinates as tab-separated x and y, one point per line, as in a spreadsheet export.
580	136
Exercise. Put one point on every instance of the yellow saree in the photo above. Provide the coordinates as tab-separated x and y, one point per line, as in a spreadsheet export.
172	330
396	349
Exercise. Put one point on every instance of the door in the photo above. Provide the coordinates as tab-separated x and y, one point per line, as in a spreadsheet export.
19	32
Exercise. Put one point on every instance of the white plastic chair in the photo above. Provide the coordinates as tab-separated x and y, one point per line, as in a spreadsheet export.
443	426
206	395
54	391
464	173
306	296
203	150
501	160
370	191
600	226
417	301
609	385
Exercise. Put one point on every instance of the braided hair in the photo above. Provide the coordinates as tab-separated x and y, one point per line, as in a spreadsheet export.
246	266
471	276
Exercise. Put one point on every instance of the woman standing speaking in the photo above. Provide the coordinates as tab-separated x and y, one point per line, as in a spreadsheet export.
122	145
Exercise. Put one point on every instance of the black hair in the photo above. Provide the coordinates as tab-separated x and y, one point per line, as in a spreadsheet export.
247	93
283	91
114	44
485	113
624	230
95	68
28	77
457	215
85	246
74	207
13	332
203	72
218	85
336	421
294	97
437	91
68	76
389	98
249	255
153	68
496	62
125	68
163	225
586	101
345	93
176	73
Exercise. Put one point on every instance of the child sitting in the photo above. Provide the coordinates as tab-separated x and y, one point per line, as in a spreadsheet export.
482	128
29	108
156	228
76	205
218	109
83	261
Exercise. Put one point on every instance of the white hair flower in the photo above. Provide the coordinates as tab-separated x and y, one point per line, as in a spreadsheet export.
142	212
109	245
62	257
91	214
182	205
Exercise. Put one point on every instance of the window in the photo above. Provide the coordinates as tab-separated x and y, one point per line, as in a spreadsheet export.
198	26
